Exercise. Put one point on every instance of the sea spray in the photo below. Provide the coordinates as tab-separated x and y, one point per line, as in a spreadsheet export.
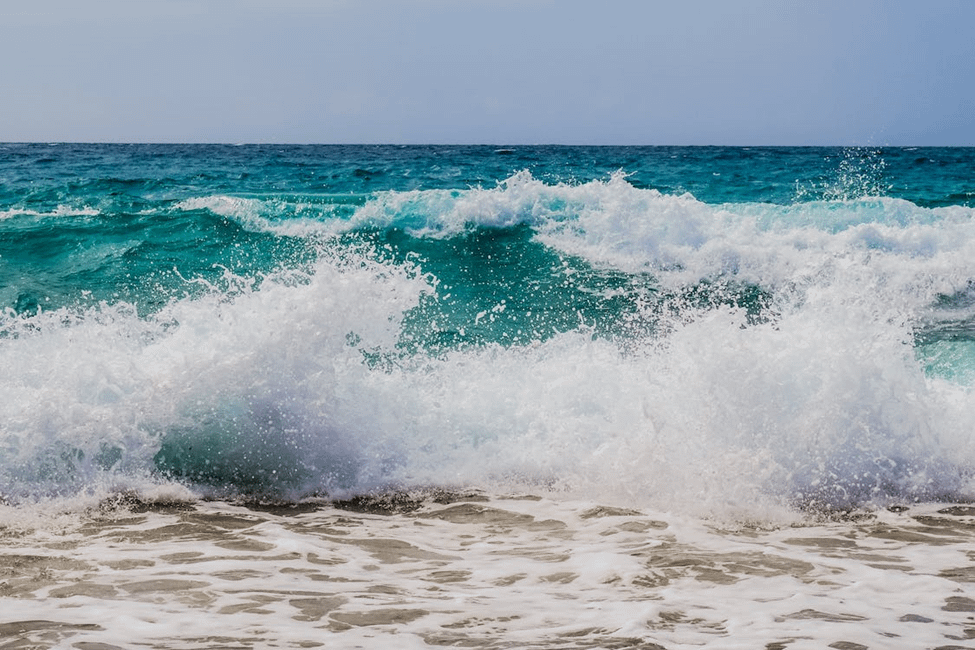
234	385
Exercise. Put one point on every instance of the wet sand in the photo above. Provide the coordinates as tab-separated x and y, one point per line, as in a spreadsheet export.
484	572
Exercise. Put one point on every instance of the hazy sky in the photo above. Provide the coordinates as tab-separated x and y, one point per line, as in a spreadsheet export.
846	72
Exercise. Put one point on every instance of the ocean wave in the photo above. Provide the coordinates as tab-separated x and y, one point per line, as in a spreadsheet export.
592	338
891	248
97	391
285	217
612	223
300	387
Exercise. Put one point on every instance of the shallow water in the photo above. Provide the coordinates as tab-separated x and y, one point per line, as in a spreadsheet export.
484	571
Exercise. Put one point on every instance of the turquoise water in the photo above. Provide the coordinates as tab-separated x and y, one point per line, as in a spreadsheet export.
718	325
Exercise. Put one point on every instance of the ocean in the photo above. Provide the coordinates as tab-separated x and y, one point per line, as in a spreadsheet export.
489	397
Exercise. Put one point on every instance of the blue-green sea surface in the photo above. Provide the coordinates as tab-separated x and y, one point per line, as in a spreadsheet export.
696	327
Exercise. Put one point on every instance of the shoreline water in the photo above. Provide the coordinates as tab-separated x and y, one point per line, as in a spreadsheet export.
485	571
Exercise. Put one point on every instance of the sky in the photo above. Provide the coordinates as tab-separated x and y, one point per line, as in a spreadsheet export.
642	72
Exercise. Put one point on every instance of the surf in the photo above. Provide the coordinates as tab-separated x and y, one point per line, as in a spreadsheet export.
595	338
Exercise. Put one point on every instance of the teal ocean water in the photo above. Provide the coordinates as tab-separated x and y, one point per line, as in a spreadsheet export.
709	330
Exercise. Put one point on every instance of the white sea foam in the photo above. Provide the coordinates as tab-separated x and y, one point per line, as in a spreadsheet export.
485	572
59	211
682	239
97	389
678	238
287	217
826	404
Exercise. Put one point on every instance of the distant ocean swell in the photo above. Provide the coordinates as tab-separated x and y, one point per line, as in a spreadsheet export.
591	337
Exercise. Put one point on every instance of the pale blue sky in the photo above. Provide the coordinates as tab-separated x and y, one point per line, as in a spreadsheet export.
867	72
